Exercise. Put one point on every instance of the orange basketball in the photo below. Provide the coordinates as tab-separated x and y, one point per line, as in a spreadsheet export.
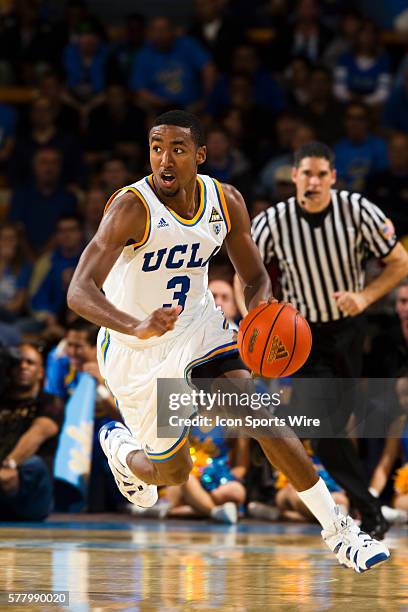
274	340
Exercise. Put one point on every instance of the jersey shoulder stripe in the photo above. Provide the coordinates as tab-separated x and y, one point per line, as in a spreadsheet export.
142	199
223	204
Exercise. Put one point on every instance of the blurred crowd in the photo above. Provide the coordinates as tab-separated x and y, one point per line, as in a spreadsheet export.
77	97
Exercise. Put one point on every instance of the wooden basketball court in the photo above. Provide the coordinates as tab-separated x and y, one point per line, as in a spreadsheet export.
123	564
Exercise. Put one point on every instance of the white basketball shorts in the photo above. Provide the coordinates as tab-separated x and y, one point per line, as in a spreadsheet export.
131	373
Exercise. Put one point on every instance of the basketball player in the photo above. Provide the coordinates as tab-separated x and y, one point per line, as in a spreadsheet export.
158	320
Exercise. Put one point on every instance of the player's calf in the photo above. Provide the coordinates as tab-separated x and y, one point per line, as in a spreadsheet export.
173	471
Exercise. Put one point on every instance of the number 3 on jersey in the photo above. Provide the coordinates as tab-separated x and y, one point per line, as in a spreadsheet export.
180	294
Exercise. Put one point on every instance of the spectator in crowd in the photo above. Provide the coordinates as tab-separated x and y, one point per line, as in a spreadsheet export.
170	70
287	504
297	81
388	363
395	451
364	73
124	50
73	355
265	92
309	36
15	272
30	420
25	43
41	133
115	127
214	488
39	205
66	29
269	174
215	30
389	187
95	201
53	272
242	128
267	26
322	107
85	64
360	153
224	298
66	117
225	163
344	41
281	137
396	110
7	135
114	175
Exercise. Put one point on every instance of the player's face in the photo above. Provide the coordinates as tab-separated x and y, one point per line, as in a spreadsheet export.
314	175
174	157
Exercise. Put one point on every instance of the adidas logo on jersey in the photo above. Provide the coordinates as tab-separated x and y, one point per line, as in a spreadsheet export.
215	216
162	223
278	350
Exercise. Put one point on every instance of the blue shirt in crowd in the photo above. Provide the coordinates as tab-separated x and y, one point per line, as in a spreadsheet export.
173	74
266	93
355	161
87	80
52	292
363	81
11	282
61	378
40	212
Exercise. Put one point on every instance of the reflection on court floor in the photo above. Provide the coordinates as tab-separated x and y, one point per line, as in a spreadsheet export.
172	565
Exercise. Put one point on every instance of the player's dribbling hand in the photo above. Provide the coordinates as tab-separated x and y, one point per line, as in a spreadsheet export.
158	323
350	303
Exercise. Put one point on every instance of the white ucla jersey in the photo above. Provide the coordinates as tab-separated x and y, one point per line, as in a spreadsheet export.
169	266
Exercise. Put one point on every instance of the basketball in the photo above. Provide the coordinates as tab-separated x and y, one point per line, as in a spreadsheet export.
274	340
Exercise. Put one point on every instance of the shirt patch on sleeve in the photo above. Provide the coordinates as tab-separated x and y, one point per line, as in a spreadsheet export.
387	230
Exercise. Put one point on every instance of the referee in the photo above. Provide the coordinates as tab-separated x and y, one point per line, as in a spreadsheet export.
321	239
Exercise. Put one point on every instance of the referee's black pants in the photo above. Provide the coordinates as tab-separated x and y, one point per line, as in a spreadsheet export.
337	352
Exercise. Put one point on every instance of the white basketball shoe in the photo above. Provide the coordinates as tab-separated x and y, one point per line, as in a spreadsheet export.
353	548
111	436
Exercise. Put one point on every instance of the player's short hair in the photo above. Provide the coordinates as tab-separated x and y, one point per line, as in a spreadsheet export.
80	325
314	149
182	118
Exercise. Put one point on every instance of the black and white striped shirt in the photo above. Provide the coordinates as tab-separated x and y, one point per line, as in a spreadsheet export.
324	252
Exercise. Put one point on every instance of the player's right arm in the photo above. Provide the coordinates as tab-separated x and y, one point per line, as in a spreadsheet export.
124	223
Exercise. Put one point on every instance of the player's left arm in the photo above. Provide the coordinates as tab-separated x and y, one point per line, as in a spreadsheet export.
395	268
244	253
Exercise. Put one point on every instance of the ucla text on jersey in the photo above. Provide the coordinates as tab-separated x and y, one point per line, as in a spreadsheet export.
169	266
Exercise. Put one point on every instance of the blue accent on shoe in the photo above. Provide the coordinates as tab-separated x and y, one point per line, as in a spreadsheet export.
348	551
336	550
355	558
377	559
108	427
